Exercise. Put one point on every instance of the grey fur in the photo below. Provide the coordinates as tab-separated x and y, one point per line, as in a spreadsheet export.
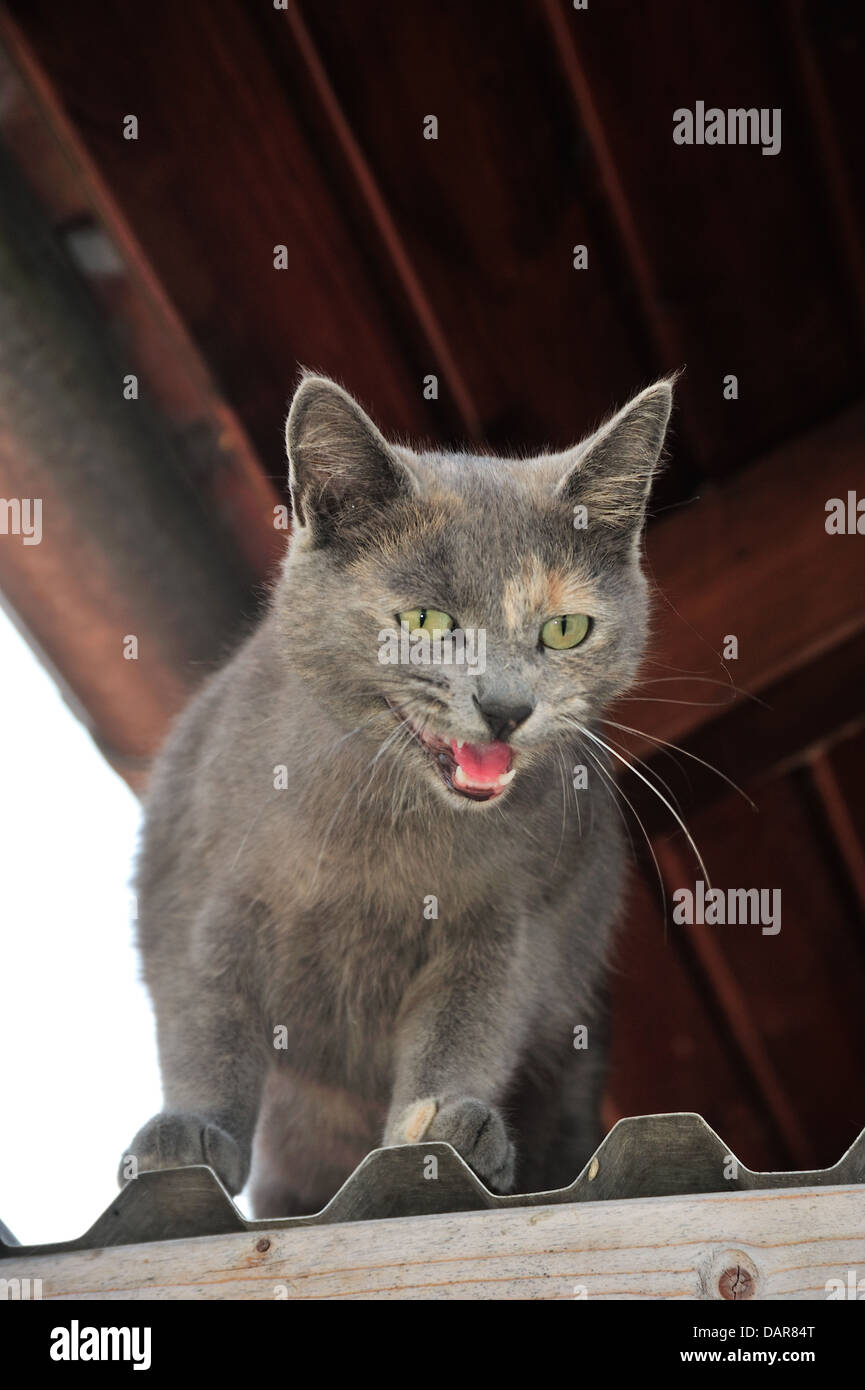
302	907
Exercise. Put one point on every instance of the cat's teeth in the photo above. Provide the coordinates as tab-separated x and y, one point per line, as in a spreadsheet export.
460	743
460	779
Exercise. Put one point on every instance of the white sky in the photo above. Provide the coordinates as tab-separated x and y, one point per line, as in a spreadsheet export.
78	1074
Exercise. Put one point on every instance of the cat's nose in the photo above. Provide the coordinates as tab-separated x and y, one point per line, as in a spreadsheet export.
503	718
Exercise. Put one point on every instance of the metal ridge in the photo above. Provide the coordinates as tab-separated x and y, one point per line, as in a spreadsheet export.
643	1156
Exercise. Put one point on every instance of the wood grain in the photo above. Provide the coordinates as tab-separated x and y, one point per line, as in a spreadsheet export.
791	1242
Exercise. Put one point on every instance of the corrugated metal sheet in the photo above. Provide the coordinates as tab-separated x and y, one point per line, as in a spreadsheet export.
646	1156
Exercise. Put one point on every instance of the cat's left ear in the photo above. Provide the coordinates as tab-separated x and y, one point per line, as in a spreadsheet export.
611	472
342	470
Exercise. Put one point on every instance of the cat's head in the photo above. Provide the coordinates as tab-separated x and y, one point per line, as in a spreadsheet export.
536	560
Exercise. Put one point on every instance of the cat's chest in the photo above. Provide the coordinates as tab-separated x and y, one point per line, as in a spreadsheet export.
375	876
335	978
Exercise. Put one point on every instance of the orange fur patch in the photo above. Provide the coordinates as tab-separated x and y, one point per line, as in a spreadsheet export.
538	592
417	1120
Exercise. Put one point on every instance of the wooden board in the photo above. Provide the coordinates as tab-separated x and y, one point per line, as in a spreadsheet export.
223	150
507	183
752	559
789	1243
672	1047
746	274
779	991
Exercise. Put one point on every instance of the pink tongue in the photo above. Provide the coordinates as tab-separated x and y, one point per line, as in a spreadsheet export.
482	763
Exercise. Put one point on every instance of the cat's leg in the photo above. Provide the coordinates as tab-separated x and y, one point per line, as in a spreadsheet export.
583	1083
555	1107
212	1073
211	1084
311	1136
211	1077
457	1048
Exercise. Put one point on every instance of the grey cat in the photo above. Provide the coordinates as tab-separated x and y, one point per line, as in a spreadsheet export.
373	908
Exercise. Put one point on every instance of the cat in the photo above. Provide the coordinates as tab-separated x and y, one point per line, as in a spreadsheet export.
373	908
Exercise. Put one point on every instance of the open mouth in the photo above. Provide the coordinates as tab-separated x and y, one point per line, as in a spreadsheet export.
479	771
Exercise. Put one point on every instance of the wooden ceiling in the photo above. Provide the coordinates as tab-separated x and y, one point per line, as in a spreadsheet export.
303	126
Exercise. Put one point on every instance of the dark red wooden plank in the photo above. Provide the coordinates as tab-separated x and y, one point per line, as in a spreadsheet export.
808	709
669	1052
743	255
124	549
490	210
220	174
803	987
827	44
752	559
211	447
839	776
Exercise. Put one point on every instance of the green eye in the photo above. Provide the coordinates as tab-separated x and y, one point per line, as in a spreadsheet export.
565	632
429	620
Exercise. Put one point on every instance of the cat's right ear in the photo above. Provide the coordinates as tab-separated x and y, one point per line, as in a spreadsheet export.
341	469
611	472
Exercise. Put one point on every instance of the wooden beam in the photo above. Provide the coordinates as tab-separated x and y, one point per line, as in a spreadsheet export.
773	1244
211	445
725	232
661	329
212	185
489	211
745	1032
125	548
717	570
382	218
840	821
824	119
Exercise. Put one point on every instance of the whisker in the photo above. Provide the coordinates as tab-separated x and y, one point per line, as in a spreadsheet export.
705	680
344	797
608	780
639	821
564	808
673	812
651	770
662	743
664	700
576	799
669	602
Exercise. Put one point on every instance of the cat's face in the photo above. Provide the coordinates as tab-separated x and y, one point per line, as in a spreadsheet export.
527	571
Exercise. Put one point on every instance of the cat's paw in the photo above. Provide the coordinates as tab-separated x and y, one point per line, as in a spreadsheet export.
178	1140
476	1130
